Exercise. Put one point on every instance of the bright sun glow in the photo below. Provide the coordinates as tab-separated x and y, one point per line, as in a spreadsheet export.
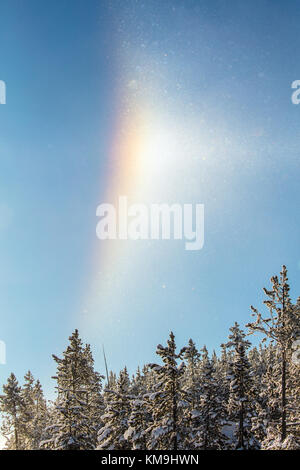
160	152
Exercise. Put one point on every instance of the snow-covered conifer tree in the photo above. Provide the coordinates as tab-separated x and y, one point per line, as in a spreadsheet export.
12	407
35	413
116	416
280	326
210	412
191	376
241	405
78	393
167	401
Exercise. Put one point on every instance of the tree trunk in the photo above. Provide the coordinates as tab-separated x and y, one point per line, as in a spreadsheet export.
174	414
241	426
16	428
283	378
283	397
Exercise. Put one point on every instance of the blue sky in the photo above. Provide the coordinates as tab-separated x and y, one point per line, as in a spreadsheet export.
221	73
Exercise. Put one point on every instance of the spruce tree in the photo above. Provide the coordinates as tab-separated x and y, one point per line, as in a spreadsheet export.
191	377
35	413
210	414
12	406
139	418
280	327
78	393
167	432
116	416
242	394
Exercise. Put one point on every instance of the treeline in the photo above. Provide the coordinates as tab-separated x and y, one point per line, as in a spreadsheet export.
247	398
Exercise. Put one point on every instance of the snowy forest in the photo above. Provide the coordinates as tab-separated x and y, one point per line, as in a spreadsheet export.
247	397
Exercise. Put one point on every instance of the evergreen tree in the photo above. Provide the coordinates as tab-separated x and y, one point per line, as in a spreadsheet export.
92	385
138	423
78	392
191	377
241	398
167	401
210	413
40	416
35	413
12	406
116	416
280	326
140	418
